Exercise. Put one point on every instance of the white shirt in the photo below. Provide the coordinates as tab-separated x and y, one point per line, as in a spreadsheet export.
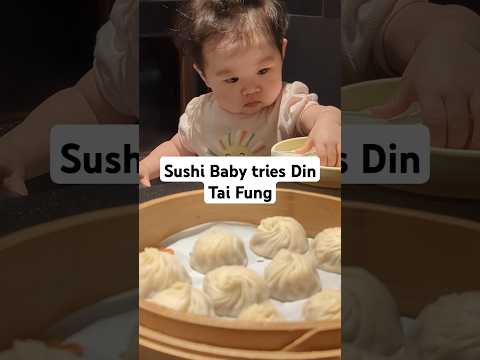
206	129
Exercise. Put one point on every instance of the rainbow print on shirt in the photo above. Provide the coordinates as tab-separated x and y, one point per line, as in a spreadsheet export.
238	143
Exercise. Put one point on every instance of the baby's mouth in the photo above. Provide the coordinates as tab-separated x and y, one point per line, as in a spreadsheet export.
252	104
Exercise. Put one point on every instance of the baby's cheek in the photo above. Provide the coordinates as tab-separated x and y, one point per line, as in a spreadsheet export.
220	94
229	101
232	98
274	90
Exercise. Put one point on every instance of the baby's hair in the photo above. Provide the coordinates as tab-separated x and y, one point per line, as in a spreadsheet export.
230	20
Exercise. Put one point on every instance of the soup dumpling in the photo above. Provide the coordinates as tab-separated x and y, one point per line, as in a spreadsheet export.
158	270
234	288
324	305
263	312
215	248
327	250
184	298
450	328
276	233
291	276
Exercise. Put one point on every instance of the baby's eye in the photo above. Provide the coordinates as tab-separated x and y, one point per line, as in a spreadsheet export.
232	80
263	71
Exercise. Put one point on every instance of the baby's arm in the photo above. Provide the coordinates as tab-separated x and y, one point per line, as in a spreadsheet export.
322	124
407	28
150	166
24	151
436	49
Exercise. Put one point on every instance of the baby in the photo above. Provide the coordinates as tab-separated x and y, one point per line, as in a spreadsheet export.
238	47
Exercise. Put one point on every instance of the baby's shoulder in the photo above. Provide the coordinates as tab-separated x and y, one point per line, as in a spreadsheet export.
294	92
294	88
295	97
199	104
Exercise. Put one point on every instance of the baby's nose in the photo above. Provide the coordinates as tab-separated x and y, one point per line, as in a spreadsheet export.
250	90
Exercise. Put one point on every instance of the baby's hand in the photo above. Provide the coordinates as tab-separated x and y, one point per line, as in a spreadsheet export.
443	76
12	175
144	174
326	138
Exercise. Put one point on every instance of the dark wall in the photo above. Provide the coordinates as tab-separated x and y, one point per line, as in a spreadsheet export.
45	47
316	62
328	8
472	4
313	54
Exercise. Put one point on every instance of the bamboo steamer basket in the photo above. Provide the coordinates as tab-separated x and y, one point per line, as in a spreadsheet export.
153	343
55	269
42	279
186	336
422	255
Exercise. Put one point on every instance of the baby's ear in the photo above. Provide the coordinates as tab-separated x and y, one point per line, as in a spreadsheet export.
284	47
200	73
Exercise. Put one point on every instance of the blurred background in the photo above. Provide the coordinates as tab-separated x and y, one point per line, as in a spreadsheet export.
46	47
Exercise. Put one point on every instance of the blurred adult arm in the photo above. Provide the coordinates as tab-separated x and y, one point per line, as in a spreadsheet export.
24	151
436	50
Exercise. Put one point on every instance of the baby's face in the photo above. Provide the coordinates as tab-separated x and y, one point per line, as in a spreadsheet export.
243	79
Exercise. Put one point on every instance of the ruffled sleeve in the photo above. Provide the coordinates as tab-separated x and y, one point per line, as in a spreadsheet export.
187	123
296	98
116	58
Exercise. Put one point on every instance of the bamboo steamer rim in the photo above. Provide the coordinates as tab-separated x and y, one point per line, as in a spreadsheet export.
413	213
235	324
50	227
184	194
153	339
